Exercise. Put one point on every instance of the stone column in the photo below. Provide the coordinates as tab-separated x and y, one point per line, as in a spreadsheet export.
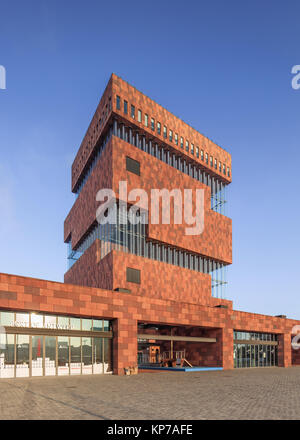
227	348
124	344
284	350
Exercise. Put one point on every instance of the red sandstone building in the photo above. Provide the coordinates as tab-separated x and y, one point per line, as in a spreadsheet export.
144	294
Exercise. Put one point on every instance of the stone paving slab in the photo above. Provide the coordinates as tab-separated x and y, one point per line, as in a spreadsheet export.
268	393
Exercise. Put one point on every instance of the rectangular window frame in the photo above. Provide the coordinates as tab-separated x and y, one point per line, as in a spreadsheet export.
132	111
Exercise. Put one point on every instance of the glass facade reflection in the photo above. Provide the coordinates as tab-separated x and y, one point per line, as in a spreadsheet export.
126	237
7	356
31	355
47	345
253	350
37	351
22	355
39	320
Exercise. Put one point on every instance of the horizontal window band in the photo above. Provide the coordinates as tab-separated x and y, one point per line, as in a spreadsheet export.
177	338
254	342
56	332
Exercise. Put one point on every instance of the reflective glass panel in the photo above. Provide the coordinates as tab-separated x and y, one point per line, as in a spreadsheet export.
22	355
50	321
75	323
87	364
107	355
7	318
22	319
37	321
106	326
63	355
7	356
98	355
63	322
37	355
86	324
75	346
97	325
50	355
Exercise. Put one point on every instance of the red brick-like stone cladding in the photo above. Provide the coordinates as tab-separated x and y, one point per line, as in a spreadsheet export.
94	131
160	114
158	280
107	107
29	294
215	241
83	212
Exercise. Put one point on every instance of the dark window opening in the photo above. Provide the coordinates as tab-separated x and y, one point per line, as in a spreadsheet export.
133	166
133	275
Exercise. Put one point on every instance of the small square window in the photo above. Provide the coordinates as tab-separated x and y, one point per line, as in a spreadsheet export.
176	138
158	128
152	124
125	107
139	116
146	120
187	146
165	132
132	111
133	275
133	166
118	103
181	142
170	135
192	148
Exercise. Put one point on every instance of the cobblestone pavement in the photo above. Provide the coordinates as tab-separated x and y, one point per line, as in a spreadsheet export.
270	393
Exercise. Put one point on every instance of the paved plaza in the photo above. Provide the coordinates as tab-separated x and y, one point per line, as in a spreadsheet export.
270	393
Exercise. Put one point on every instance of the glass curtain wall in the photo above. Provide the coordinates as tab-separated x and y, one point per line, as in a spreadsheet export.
7	355
28	355
37	366
253	350
161	152
23	355
127	237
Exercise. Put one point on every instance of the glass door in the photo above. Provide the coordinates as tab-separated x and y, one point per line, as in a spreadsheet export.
22	355
87	366
107	355
98	356
63	355
75	346
50	355
7	355
37	367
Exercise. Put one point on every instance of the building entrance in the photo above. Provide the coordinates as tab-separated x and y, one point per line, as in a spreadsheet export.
31	347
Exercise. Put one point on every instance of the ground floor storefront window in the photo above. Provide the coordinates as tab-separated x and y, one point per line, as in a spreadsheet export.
255	350
37	345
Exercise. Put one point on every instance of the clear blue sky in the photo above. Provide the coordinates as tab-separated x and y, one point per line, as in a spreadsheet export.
223	67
